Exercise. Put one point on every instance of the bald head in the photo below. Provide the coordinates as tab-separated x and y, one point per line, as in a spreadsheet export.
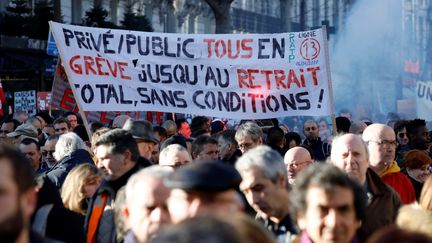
349	153
296	159
381	142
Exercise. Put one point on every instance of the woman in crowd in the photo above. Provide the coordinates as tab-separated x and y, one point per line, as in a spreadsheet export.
417	164
79	186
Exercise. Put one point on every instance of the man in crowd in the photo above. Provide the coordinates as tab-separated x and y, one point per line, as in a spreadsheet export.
382	143
248	136
118	156
329	206
38	124
8	126
70	151
48	152
142	132
72	118
183	127
18	197
208	188
21	132
146	204
30	148
175	156
205	147
227	147
296	159
62	126
418	135
321	150
276	139
265	185
350	154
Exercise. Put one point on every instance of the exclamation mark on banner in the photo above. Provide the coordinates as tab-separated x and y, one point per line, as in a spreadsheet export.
320	98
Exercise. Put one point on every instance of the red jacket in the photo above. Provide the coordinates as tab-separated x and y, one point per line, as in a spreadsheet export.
400	182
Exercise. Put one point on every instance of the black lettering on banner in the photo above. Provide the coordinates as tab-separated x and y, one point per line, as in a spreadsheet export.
157	43
102	88
142	92
140	50
180	68
278	48
300	99
120	45
166	51
111	93
97	45
210	100
106	42
122	96
90	97
195	97
184	49
67	33
261	47
276	106
288	102
182	101
165	73
253	101
155	96
80	39
130	40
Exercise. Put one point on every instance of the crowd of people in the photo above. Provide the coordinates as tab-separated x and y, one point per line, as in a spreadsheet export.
206	181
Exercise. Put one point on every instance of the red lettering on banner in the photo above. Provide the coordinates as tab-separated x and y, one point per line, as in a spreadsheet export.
222	48
68	102
98	66
270	79
246	48
159	117
314	75
103	118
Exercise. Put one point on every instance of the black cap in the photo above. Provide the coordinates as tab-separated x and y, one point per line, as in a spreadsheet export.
209	176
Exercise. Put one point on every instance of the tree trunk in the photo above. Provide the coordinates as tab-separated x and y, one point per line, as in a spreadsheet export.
57	10
221	11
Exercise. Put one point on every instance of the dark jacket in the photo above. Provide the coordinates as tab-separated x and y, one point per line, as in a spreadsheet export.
383	205
61	223
106	228
58	173
321	150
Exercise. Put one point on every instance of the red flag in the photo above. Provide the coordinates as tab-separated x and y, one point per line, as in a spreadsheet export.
2	99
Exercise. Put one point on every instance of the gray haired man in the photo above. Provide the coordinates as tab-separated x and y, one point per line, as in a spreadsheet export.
265	186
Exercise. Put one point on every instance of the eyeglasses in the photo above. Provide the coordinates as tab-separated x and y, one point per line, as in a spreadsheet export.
296	165
385	142
46	152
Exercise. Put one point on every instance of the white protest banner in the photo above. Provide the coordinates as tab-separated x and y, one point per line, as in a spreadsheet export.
63	99
25	101
239	76
424	100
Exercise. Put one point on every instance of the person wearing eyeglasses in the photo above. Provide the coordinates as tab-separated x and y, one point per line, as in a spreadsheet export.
403	140
382	143
296	159
48	160
321	150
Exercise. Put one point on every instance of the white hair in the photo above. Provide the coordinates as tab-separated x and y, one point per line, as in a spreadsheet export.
154	172
267	160
68	143
163	155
